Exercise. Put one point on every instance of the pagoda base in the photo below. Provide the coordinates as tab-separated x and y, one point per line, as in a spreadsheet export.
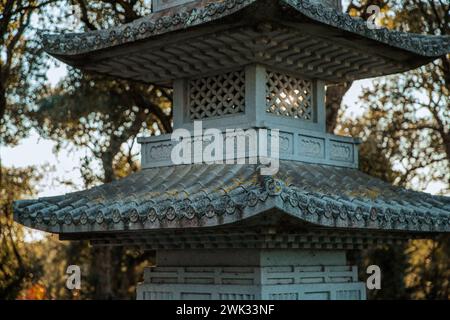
251	275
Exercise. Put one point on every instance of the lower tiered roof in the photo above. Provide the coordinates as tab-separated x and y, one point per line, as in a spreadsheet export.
200	196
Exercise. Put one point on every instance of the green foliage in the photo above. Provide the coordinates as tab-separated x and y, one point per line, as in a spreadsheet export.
394	266
22	73
23	67
102	115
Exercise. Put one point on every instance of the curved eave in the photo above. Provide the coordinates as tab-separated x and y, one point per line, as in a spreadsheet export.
200	196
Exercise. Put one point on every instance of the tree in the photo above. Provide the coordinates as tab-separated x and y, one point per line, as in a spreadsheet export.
428	275
408	114
22	66
104	116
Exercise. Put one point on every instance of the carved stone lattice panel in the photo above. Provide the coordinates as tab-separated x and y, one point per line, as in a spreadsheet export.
289	96
218	95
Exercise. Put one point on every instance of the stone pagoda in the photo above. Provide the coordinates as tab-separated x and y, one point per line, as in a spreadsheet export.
226	231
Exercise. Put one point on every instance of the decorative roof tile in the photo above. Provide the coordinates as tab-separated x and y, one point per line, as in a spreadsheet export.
160	198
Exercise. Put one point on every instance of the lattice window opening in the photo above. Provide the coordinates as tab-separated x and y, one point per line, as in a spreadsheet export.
216	96
289	96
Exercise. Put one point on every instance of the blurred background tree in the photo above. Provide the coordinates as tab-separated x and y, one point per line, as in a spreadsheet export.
104	116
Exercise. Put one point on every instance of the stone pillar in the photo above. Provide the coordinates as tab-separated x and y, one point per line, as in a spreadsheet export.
251	275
